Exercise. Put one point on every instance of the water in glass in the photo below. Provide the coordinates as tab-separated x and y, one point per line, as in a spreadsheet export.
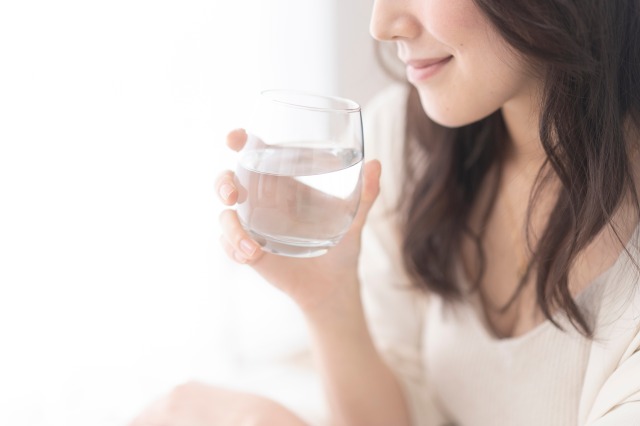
298	199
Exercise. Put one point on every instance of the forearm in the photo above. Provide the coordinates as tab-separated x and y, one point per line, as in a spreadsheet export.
361	388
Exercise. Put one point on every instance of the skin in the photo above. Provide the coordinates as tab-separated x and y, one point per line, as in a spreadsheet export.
484	74
198	404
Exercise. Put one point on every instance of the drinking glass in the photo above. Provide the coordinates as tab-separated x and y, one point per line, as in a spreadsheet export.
299	175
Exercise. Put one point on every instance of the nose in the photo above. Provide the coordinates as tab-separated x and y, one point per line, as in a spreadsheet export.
392	20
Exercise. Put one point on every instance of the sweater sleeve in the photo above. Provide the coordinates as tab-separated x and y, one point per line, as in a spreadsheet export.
621	394
395	311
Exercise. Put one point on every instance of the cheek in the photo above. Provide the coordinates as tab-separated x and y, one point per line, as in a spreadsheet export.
472	97
451	22
474	87
484	73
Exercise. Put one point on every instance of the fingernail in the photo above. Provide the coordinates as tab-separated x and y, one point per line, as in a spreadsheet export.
248	247
226	190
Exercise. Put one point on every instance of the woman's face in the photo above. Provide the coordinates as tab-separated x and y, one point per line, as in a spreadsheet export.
461	67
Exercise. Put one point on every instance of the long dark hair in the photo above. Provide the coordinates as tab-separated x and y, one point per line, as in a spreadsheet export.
590	53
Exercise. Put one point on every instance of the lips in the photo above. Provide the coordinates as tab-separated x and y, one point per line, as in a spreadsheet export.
422	69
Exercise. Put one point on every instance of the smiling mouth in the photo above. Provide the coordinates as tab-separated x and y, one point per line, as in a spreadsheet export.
420	70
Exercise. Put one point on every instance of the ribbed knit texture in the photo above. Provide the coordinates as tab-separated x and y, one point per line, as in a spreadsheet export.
533	379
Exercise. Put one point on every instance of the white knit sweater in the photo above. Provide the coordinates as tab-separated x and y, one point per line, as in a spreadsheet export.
453	370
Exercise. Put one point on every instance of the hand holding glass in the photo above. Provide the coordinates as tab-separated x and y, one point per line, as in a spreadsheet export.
299	175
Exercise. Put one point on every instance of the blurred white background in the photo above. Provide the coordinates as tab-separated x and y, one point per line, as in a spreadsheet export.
113	113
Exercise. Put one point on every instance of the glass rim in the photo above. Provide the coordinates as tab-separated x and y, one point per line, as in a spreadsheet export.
350	106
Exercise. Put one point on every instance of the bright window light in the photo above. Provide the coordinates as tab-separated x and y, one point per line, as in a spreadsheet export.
113	288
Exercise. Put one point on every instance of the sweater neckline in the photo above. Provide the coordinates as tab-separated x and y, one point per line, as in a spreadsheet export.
583	299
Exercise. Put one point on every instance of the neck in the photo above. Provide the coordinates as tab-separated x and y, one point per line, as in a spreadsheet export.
522	119
524	159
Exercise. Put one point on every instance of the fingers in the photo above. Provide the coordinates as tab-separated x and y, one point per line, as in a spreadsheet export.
236	242
226	188
226	185
370	191
236	139
239	138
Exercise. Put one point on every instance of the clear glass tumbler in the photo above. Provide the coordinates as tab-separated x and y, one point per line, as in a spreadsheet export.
300	173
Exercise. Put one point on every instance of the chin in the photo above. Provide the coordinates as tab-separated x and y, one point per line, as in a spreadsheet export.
448	115
447	120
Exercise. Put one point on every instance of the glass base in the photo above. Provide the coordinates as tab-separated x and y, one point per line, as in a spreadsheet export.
293	247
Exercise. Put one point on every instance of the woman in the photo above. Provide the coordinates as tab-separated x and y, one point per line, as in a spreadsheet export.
499	265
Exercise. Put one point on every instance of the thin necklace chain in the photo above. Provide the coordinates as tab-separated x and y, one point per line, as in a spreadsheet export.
518	239
517	230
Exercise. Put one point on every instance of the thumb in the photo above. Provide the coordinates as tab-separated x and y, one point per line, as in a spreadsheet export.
370	191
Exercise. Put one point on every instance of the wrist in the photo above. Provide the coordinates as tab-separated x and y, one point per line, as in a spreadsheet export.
341	302
339	320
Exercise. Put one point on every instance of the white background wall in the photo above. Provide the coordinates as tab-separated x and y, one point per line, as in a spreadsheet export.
112	121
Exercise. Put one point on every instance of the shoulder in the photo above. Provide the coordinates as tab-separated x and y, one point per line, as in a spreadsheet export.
384	119
619	298
390	98
384	125
616	304
384	134
613	372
